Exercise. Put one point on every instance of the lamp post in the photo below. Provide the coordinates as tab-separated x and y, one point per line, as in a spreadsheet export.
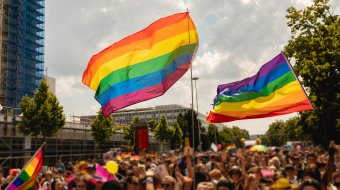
198	123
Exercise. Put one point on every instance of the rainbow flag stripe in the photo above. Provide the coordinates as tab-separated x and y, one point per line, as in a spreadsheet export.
231	148
143	65
274	90
26	178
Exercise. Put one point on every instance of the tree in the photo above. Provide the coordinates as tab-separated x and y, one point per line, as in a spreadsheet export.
275	135
238	134
315	47
102	129
176	136
212	134
152	125
41	114
226	136
187	120
128	132
183	124
162	131
293	131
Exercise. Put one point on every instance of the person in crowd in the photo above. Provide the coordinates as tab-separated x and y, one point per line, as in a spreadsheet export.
235	175
224	184
132	182
168	183
336	181
58	184
244	170
310	184
47	182
2	179
290	174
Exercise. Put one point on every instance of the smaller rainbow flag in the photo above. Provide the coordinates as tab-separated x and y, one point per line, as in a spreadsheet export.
151	155
135	158
273	91
125	155
28	175
231	148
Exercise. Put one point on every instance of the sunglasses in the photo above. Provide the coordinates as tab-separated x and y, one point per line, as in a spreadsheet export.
337	184
165	185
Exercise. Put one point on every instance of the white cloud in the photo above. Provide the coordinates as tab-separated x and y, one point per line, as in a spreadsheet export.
69	86
236	37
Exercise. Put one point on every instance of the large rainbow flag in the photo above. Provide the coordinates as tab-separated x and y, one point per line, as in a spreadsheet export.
143	65
274	90
26	178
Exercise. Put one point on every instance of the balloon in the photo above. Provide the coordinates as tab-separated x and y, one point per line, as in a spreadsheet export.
219	147
242	140
112	167
258	141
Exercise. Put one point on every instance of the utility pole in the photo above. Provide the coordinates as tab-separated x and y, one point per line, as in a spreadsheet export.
198	121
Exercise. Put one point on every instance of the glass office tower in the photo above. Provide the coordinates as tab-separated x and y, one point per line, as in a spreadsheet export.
22	24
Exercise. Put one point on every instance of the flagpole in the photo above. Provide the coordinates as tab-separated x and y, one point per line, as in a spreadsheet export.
36	152
192	92
291	68
192	105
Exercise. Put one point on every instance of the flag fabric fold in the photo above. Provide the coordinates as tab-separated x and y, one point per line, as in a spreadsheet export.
273	91
103	173
28	175
143	65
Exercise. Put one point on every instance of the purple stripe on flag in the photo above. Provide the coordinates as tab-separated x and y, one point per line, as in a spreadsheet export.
12	187
265	69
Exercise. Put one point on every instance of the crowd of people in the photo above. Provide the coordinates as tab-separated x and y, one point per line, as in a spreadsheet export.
306	168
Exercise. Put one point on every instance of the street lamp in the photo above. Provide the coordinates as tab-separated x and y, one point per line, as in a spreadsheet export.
198	123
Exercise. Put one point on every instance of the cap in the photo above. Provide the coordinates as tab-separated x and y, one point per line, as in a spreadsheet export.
283	183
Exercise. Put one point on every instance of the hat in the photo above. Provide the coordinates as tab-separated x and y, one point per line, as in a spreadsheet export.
283	183
83	164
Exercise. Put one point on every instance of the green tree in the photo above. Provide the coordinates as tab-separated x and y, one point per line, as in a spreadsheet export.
162	131
128	131
226	136
213	134
176	136
315	47
183	124
293	130
187	119
102	129
274	135
41	114
152	125
238	134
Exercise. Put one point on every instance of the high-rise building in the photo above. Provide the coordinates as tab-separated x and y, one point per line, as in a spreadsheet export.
22	24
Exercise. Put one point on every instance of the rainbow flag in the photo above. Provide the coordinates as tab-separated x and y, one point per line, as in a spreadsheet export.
231	148
274	90
28	175
143	65
154	155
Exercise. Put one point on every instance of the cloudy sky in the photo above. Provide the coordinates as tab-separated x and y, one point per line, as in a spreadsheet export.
236	38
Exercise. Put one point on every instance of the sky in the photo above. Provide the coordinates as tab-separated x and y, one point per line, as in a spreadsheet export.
236	38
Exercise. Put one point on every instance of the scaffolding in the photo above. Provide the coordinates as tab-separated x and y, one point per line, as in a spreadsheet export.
22	49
